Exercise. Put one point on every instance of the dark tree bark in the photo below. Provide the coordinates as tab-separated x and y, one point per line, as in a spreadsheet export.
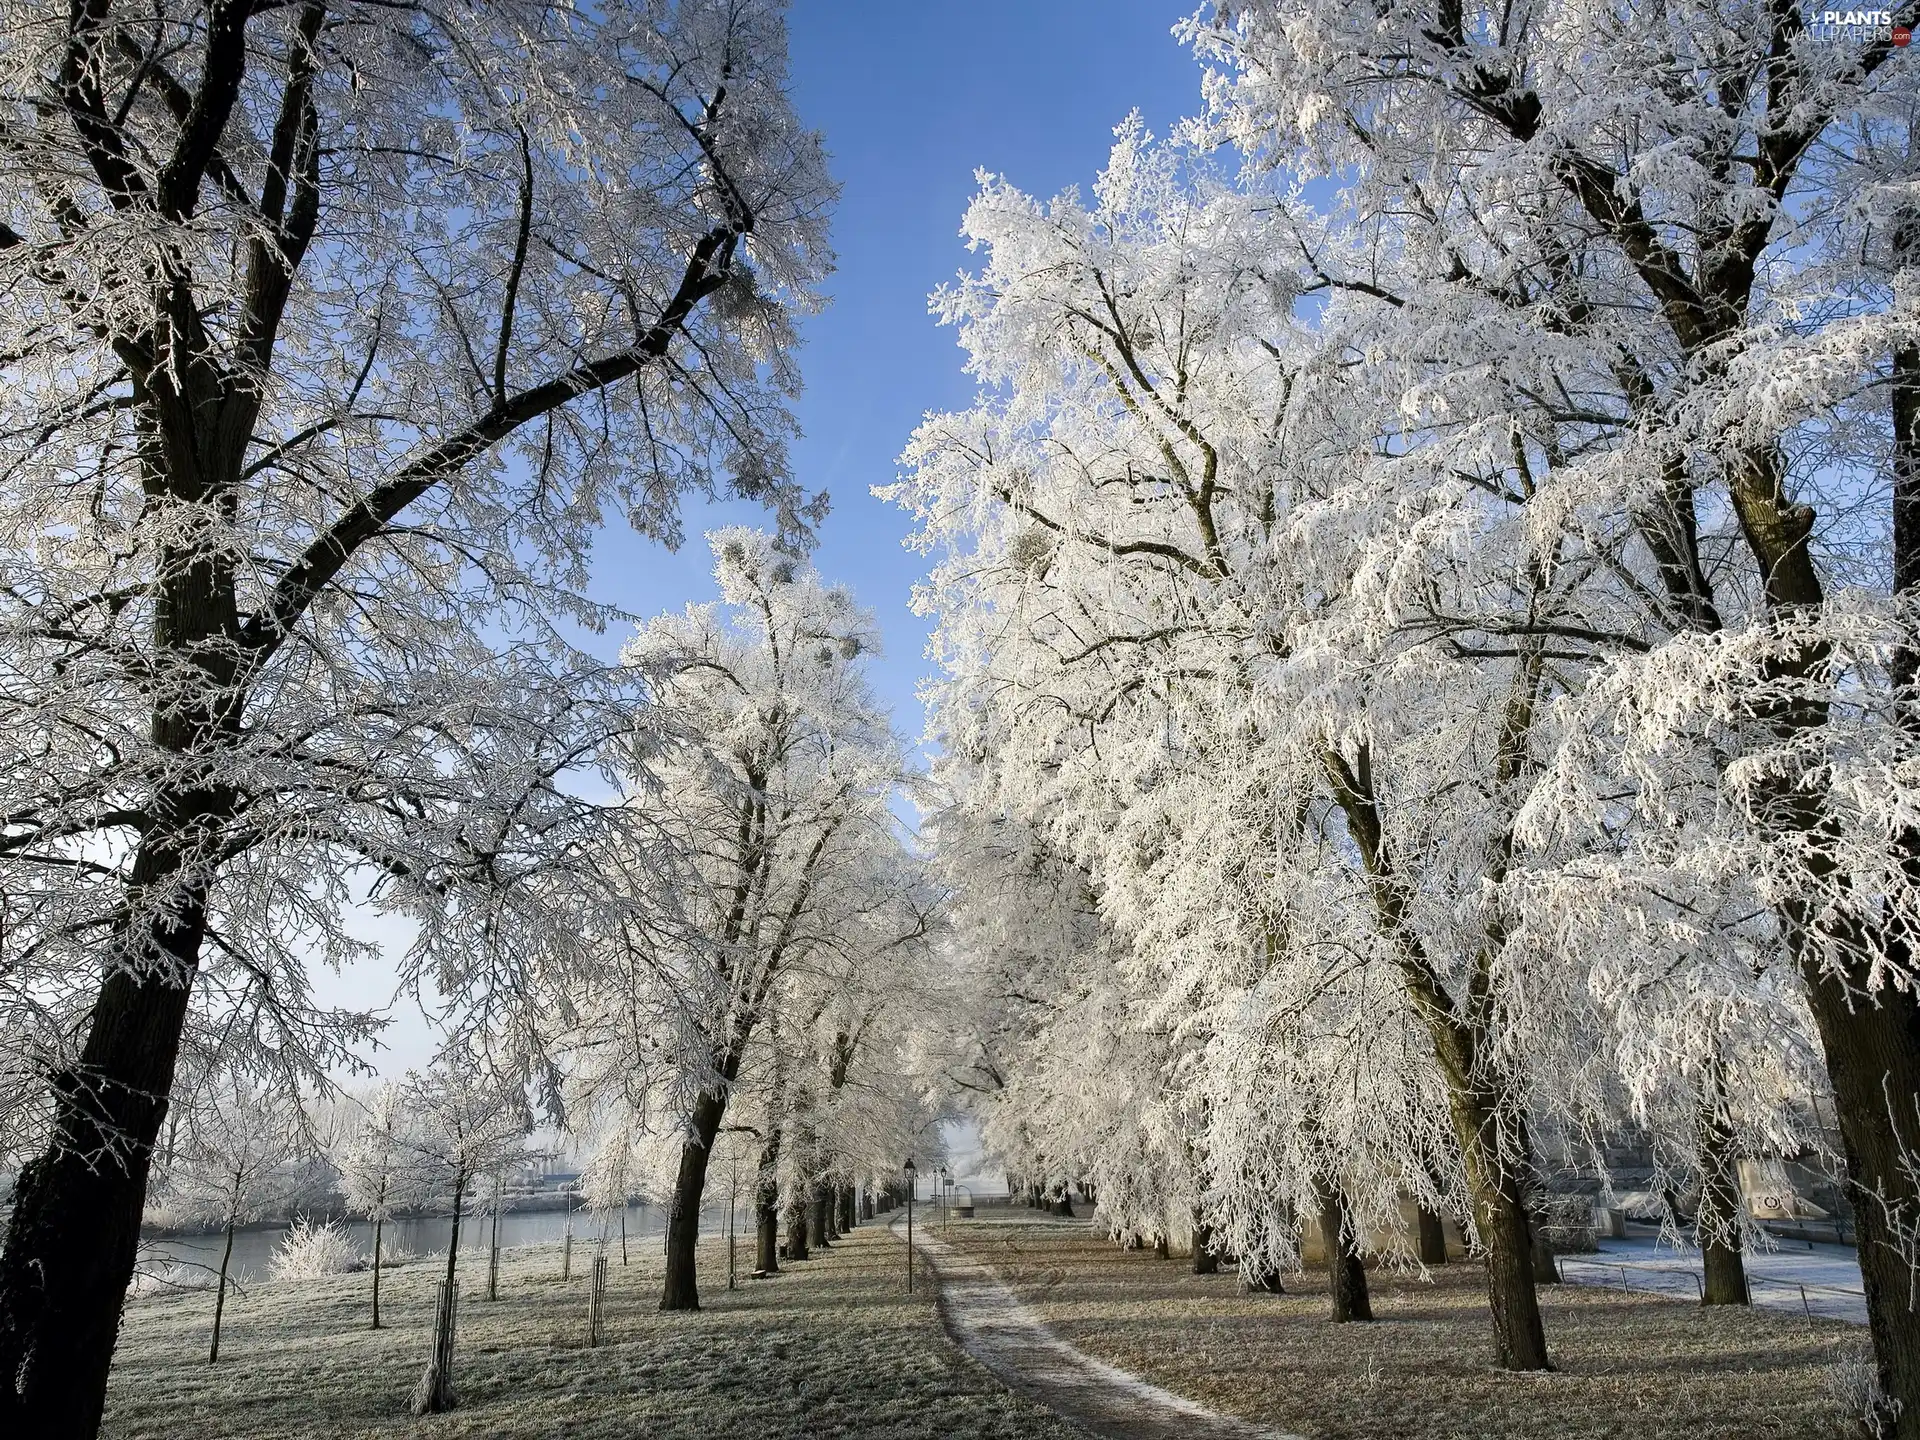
75	1228
1873	1052
816	1212
1493	1158
681	1290
1264	1282
766	1207
1880	1043
220	1298
1718	1223
379	1224
1433	1238
1506	1238
1346	1275
797	1228
453	1236
1205	1260
435	1391
1546	1265
1161	1250
493	1252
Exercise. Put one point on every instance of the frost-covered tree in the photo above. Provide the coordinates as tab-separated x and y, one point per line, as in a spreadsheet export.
236	1162
464	1122
332	331
1305	564
1715	206
1150	603
777	790
378	1164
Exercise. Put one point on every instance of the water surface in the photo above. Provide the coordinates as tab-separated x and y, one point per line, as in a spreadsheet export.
198	1256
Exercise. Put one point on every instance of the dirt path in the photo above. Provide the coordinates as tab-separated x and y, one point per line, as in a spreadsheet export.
988	1321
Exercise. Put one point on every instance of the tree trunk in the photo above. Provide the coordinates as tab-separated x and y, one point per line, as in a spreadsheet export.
453	1238
681	1290
1726	1271
766	1208
1263	1282
1161	1250
1904	664
1205	1261
866	1203
817	1217
1873	1057
1493	1166
1346	1276
1546	1267
493	1248
1718	1223
434	1393
379	1221
75	1229
1497	1189
220	1296
1506	1237
1879	1044
1433	1238
797	1227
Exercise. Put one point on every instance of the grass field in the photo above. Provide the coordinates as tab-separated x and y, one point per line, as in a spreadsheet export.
1628	1365
832	1348
835	1348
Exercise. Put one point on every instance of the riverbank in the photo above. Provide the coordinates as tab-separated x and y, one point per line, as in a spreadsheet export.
832	1347
190	1258
1627	1363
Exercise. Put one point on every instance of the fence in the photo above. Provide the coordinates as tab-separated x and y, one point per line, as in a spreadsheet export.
596	1300
446	1304
1604	1266
1807	1292
435	1390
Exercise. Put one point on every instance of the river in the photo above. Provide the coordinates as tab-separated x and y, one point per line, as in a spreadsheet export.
253	1248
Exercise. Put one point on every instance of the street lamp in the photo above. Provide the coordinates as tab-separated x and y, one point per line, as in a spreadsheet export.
908	1171
943	1195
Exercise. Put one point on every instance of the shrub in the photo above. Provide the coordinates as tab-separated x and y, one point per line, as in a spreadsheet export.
160	1276
1855	1383
308	1251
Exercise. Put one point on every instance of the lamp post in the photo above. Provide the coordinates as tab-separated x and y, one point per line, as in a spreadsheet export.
942	1172
907	1170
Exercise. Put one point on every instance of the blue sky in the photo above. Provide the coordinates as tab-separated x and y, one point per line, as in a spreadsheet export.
912	98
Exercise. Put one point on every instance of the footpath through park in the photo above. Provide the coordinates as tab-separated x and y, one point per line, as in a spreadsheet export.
985	1319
